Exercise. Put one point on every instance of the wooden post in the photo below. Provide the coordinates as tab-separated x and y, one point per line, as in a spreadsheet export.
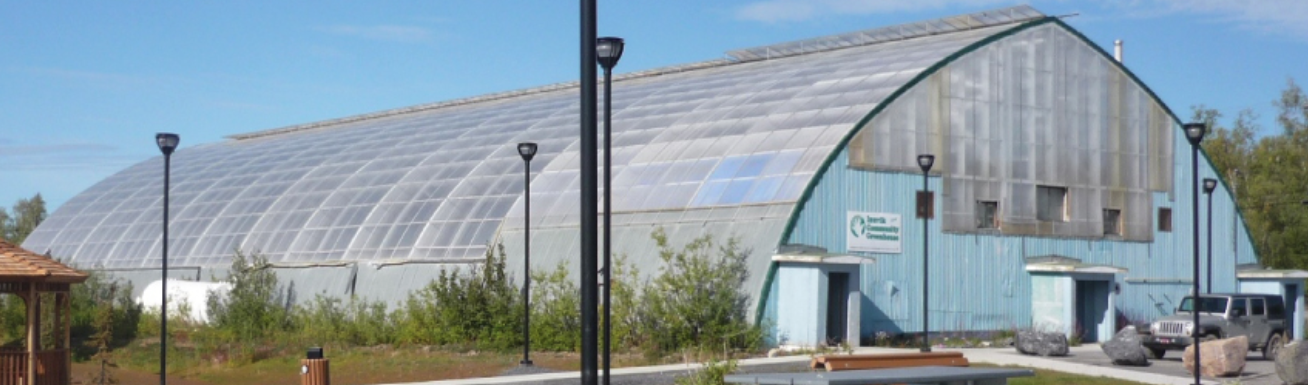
33	323
68	335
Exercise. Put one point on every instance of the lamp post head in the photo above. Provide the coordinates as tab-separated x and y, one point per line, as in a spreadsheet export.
1210	184
167	142
925	161
1194	132
608	50
527	150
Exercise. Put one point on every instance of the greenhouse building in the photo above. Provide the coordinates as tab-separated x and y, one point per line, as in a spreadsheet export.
1062	186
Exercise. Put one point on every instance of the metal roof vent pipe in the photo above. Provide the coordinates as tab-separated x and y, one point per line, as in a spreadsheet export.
1117	50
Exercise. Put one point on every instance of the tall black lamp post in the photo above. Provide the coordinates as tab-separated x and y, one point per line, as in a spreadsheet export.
925	161
167	143
527	150
1210	184
589	195
1194	132
608	50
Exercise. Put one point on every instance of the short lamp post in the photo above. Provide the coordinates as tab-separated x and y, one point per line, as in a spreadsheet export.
1194	132
925	161
167	144
608	50
1210	184
527	150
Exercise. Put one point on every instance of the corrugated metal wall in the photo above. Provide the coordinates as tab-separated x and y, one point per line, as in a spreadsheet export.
979	282
978	278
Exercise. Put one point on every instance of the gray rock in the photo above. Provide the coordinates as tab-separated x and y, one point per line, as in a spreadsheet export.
1125	348
1292	363
1033	342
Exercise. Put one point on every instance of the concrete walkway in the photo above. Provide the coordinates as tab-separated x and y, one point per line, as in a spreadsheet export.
995	356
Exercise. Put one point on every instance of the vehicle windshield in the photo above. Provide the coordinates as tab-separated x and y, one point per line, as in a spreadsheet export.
1206	305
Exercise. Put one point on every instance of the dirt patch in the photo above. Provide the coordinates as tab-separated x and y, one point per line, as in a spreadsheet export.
86	373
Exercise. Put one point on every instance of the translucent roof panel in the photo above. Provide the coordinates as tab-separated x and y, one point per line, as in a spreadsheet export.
438	181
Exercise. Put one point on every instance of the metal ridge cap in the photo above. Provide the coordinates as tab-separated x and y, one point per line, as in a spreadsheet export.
475	100
887	34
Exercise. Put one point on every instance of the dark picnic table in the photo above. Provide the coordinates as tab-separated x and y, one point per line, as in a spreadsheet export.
917	375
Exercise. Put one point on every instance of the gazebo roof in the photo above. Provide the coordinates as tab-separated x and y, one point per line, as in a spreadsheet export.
21	265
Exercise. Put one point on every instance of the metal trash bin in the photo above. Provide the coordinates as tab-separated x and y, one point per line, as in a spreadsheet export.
313	369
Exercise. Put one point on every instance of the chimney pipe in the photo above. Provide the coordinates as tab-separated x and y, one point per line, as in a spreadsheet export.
1117	50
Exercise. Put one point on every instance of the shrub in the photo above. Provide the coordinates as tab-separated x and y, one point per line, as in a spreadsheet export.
480	308
711	374
555	311
254	309
104	316
354	322
696	301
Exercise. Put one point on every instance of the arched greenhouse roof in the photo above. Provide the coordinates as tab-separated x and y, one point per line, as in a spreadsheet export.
442	181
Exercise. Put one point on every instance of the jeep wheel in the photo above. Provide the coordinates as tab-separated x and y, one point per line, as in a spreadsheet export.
1157	353
1207	337
1273	346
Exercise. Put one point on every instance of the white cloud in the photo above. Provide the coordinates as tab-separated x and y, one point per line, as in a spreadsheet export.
773	11
393	33
1289	17
1279	17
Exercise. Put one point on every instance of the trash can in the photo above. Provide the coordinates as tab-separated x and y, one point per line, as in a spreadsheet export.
313	369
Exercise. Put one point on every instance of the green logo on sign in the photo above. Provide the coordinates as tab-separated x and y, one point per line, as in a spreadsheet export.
869	227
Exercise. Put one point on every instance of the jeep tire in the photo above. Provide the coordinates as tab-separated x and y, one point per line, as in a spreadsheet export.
1157	353
1274	343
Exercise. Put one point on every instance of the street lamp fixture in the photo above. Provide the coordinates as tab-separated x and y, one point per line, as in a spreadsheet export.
527	150
925	161
1194	133
167	144
608	51
1210	184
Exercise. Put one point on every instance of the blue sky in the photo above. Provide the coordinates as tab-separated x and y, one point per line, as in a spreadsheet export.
85	85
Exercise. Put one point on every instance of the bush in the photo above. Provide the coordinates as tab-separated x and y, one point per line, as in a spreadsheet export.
104	316
696	300
711	374
355	322
254	309
481	308
555	311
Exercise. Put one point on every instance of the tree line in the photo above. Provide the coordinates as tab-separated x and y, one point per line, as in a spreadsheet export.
1267	171
27	214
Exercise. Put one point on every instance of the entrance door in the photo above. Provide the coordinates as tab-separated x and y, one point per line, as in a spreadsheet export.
837	307
1292	315
1091	306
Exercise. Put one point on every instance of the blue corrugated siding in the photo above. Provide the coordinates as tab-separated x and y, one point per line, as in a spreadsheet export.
979	282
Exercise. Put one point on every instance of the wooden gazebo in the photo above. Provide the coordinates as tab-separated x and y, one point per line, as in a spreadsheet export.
31	276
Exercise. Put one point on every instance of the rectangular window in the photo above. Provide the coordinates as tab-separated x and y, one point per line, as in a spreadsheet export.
987	215
1238	308
1257	305
1051	204
1275	308
926	207
1165	219
1112	222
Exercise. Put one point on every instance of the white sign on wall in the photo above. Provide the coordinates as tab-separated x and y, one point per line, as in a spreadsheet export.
873	232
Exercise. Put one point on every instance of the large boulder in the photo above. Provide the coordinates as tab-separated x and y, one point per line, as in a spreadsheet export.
1292	363
1221	358
1125	348
1040	343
